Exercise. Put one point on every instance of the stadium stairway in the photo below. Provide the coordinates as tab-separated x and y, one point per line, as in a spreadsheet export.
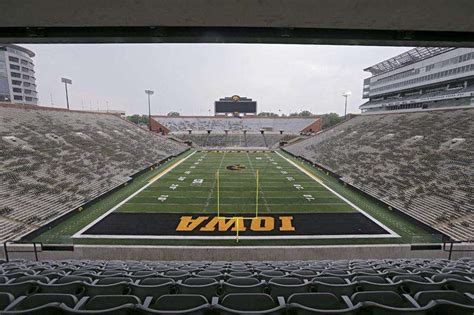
399	286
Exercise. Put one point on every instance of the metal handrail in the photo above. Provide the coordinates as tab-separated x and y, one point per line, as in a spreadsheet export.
7	242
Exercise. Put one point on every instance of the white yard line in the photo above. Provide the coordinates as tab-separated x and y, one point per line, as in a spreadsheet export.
392	233
211	191
154	179
262	194
268	237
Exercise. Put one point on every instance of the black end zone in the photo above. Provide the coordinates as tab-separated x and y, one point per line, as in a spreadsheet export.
293	224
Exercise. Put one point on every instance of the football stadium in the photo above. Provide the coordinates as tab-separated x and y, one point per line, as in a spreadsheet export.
241	211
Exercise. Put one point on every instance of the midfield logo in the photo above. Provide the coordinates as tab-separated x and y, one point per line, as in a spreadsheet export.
216	224
235	167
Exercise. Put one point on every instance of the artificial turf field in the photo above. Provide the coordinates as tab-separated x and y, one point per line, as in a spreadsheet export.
150	211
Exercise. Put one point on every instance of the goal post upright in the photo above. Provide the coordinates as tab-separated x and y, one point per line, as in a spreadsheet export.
256	196
218	196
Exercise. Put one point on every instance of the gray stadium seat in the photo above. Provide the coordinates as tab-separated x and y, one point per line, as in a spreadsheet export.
112	304
69	279
425	297
153	290
246	303
42	279
5	300
286	286
207	287
41	300
314	303
243	285
181	304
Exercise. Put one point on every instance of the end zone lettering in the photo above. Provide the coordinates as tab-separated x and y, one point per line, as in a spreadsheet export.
220	224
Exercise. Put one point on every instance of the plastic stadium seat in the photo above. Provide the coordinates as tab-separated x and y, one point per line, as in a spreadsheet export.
412	287
177	274
19	289
41	302
304	274
5	300
336	289
42	279
314	303
249	303
287	286
416	278
146	273
112	280
243	285
210	274
69	279
447	276
84	273
181	304
335	272
156	281
384	298
240	274
74	288
371	279
329	280
109	289
461	286
153	290
369	286
206	287
267	275
113	273
424	297
112	304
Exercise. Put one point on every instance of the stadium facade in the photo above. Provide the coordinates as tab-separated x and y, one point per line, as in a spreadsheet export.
17	75
421	78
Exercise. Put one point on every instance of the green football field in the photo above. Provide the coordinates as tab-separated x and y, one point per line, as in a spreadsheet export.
194	185
191	183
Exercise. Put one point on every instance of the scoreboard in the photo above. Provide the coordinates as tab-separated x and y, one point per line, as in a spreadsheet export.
235	104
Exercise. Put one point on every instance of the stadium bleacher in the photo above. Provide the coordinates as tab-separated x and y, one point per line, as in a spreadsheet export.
237	132
54	161
291	125
420	163
399	286
234	140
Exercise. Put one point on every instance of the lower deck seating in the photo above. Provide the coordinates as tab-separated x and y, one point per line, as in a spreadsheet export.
420	286
420	163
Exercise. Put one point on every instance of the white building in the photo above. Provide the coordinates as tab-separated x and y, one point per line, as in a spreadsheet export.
424	77
17	75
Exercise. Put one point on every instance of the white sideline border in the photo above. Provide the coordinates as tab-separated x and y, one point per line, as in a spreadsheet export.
390	231
154	179
80	235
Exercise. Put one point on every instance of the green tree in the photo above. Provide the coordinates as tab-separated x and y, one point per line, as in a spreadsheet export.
267	114
330	120
304	113
173	114
138	119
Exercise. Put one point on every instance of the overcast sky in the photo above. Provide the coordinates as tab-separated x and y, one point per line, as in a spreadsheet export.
188	78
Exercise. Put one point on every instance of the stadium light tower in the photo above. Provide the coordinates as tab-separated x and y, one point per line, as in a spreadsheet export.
346	95
66	82
149	92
